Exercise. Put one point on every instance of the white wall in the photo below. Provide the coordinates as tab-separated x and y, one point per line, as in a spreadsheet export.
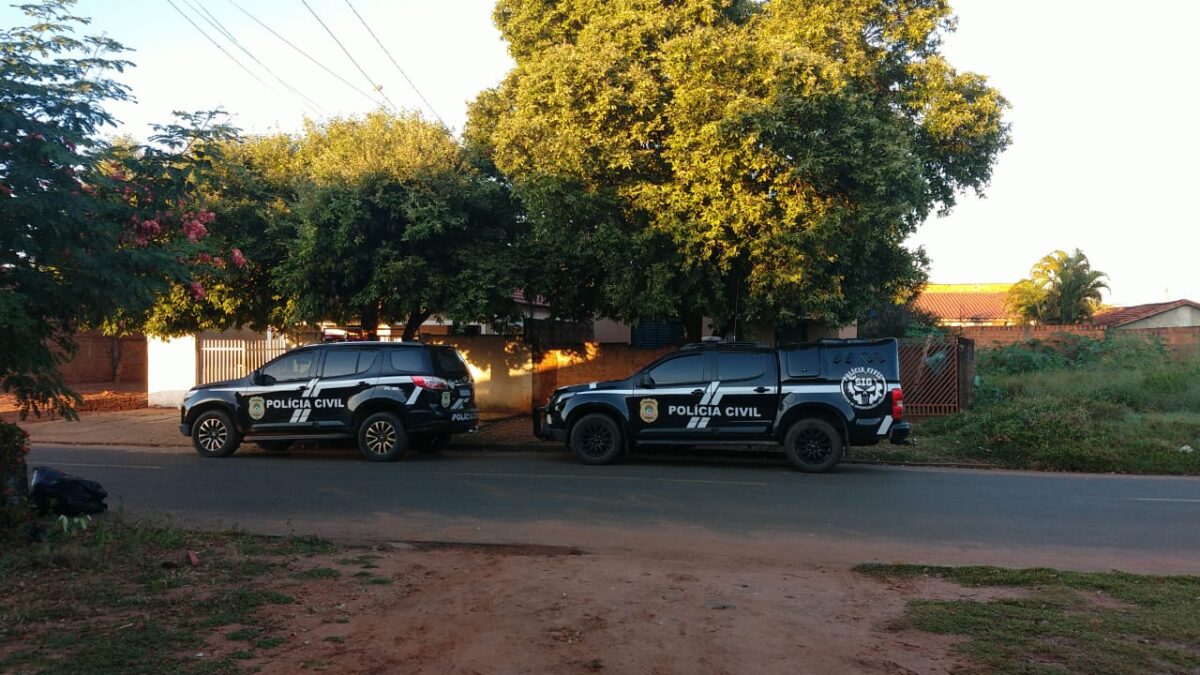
170	370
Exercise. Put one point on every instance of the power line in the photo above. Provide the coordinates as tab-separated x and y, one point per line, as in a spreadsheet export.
305	54
393	60
216	23
376	87
218	46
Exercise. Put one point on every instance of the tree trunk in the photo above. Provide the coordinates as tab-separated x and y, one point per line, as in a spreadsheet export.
115	357
693	324
369	320
413	326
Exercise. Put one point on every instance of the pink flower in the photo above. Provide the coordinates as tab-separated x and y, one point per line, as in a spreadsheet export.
219	261
204	258
239	260
197	290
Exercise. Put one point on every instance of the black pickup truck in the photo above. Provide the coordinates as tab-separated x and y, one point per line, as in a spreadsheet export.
813	399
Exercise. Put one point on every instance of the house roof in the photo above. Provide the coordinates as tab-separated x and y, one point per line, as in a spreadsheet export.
964	302
1125	315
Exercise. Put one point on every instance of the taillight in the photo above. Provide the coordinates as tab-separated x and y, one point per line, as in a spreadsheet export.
897	405
427	382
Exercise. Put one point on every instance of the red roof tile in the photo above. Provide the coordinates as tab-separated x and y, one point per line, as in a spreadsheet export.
1124	315
988	306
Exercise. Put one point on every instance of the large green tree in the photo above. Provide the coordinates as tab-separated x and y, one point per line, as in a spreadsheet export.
1062	288
87	232
771	156
395	224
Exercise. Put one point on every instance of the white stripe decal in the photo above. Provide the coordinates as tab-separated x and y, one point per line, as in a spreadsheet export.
703	423
295	416
412	399
692	423
304	415
883	428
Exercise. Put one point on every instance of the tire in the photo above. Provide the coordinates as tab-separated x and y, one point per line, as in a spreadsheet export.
274	446
381	437
597	439
813	445
428	444
213	434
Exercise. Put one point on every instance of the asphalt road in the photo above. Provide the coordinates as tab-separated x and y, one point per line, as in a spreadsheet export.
503	496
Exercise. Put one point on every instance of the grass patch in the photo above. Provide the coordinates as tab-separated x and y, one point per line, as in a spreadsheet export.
1069	622
124	597
317	573
1076	404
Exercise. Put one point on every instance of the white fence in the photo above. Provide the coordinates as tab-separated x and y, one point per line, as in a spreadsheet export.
227	359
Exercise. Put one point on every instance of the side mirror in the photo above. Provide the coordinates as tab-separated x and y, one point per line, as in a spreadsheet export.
645	381
256	378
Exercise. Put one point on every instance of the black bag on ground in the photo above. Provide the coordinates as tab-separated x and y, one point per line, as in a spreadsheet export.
53	491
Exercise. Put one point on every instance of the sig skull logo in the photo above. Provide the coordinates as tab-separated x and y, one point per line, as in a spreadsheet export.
257	407
864	387
648	410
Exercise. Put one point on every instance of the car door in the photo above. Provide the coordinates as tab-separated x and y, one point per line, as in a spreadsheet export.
667	400
276	403
747	393
347	374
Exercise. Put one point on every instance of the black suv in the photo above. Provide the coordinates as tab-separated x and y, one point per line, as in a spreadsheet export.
386	395
813	399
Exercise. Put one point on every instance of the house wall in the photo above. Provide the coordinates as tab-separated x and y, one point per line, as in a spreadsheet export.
1180	317
172	370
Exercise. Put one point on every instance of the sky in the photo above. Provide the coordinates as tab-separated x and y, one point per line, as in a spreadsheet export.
1105	142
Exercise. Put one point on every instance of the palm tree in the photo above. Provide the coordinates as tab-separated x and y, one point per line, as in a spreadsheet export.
1062	289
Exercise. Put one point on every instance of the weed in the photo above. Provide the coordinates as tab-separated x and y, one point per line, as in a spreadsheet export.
318	573
1145	624
269	642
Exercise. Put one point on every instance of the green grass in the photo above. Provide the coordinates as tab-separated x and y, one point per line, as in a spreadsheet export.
1064	622
1113	407
124	597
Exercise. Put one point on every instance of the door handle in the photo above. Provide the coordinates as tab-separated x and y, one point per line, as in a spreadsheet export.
364	383
761	390
697	392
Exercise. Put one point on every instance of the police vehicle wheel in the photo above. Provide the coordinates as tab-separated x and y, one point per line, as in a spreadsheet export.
596	439
213	434
430	443
813	445
274	446
381	437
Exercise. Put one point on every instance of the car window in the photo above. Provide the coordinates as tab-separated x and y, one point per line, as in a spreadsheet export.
298	366
740	366
448	363
408	360
347	362
678	371
340	363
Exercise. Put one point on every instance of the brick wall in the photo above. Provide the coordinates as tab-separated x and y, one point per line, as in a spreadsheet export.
1180	340
94	361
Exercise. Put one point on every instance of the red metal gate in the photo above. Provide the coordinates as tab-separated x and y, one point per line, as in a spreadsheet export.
938	375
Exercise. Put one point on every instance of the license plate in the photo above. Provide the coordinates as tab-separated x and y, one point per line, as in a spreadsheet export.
464	393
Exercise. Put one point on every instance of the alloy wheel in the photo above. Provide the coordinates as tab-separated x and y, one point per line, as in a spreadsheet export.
597	440
813	445
212	434
381	437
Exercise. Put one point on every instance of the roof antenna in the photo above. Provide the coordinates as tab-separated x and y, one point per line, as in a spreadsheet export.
736	296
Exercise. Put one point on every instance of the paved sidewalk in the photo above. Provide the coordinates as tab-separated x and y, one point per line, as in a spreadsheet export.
159	427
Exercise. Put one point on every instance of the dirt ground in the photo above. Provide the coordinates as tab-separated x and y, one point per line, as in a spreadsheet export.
103	397
545	610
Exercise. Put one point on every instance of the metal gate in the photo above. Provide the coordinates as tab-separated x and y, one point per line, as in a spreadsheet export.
938	375
229	359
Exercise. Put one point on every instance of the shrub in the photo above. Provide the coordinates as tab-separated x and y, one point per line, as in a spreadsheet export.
14	445
1065	351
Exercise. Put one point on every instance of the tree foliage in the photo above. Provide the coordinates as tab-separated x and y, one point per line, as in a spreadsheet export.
1061	289
87	232
771	155
395	224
